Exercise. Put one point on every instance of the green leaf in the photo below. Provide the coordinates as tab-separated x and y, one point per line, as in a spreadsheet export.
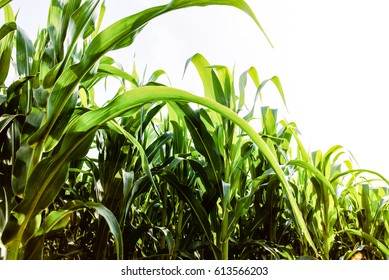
157	144
204	144
54	221
293	129
114	71
156	74
277	83
187	195
357	172
35	199
269	123
78	22
143	155
204	70
63	120
168	236
100	20
223	83
128	183
370	238
4	2
68	9
6	44
316	173
252	72
3	208
54	25
109	217
118	35
138	96
386	220
226	197
240	4
34	248
7	28
151	114
20	169
219	92
46	175
24	53
6	120
207	78
366	201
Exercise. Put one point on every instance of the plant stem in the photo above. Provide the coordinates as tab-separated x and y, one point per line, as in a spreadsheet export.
164	212
13	252
177	239
224	236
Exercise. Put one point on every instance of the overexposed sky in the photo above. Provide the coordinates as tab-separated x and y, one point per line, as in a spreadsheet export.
332	58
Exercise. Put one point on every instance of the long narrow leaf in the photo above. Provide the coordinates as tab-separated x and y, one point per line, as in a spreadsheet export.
84	127
138	96
7	28
143	156
110	219
118	35
186	195
204	144
6	44
58	220
4	2
316	173
240	4
370	238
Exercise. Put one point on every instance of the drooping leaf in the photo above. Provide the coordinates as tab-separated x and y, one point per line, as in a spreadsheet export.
7	28
54	221
143	155
57	220
138	96
240	4
168	237
114	71
118	35
186	194
204	144
83	127
6	120
315	173
6	42
384	249
4	2
277	83
109	218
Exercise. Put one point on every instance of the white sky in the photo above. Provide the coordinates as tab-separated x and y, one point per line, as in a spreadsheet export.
332	58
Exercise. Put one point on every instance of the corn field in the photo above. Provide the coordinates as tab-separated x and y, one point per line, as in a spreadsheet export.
158	172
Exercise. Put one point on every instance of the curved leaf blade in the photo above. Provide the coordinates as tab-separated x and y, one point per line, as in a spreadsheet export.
111	220
118	35
83	127
370	238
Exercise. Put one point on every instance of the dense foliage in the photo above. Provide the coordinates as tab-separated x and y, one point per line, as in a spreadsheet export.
159	173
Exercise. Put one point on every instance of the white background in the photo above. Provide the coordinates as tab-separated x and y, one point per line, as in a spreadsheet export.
331	56
106	269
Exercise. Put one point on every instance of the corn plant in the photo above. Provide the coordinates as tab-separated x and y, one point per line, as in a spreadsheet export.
157	172
53	71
